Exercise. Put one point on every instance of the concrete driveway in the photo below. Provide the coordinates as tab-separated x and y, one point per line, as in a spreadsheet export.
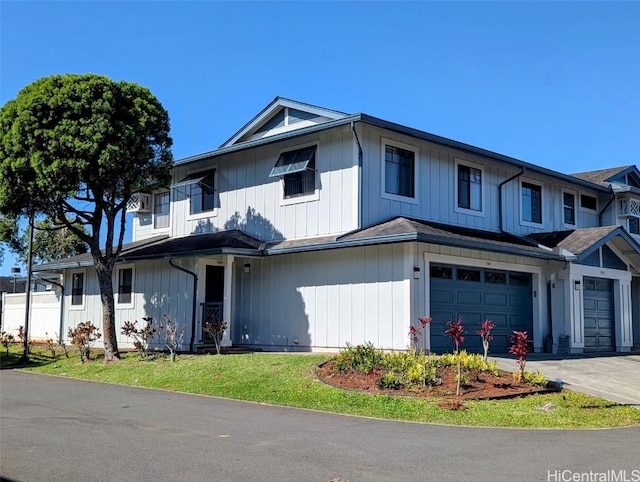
614	376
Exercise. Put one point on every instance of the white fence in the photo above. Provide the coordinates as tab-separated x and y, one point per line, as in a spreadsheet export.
45	314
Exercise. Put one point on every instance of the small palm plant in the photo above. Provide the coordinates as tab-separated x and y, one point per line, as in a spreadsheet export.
456	332
485	332
520	348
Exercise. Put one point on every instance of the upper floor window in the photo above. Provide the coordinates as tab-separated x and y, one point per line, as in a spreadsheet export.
161	210
298	171
588	202
399	171
469	188
77	288
125	285
200	187
634	226
531	203
569	208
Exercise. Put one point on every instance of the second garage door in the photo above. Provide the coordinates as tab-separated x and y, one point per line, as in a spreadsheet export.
475	295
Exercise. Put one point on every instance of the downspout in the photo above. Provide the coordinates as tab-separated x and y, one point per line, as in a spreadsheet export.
613	196
195	301
515	176
355	134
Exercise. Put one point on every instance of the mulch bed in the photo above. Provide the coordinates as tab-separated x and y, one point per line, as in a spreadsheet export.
481	386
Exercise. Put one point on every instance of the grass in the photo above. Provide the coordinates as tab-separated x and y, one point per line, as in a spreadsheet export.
289	380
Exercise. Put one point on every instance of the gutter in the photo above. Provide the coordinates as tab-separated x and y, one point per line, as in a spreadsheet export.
515	176
355	134
195	301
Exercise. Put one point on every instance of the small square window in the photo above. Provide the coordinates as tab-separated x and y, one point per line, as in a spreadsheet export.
298	171
588	202
399	175
569	208
531	203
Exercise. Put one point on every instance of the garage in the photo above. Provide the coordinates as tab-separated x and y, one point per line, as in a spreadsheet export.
475	295
599	318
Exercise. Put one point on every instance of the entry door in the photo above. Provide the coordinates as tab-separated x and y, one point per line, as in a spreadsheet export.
213	295
598	315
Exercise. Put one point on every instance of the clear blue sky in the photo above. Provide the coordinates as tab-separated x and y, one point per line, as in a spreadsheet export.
555	84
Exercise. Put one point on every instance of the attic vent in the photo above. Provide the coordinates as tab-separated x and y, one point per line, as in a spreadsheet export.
139	202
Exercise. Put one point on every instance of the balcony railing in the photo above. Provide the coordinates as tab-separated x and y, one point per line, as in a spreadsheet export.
210	312
629	207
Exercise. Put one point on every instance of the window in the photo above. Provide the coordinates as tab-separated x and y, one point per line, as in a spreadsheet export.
125	285
399	171
298	171
469	188
531	203
588	202
161	210
77	288
634	226
569	208
201	189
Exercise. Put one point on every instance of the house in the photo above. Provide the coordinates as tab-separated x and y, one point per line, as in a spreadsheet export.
311	228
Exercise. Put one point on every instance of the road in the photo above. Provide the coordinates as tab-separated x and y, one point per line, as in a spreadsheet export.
55	429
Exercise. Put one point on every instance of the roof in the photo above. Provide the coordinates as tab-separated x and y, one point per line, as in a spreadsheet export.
229	146
601	176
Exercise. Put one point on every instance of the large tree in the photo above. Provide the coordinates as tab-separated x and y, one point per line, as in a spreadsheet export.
74	148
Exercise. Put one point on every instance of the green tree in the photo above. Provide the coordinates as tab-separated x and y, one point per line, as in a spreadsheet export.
74	148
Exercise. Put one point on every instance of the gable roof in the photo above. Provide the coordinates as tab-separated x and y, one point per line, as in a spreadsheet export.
318	114
603	177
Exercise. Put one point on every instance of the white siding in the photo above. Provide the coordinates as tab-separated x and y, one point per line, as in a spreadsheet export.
44	322
435	198
323	300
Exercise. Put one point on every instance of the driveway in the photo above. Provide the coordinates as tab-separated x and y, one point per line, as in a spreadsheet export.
614	377
55	429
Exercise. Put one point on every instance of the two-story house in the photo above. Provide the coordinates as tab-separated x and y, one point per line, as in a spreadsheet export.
310	228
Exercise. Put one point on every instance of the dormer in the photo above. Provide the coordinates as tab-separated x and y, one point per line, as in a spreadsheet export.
282	115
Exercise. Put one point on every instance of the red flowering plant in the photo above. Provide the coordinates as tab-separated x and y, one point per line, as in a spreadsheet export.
415	332
485	332
456	332
520	348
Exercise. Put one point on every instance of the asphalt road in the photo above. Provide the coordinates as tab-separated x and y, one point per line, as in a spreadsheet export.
54	429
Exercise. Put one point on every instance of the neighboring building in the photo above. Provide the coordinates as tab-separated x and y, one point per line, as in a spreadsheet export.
310	228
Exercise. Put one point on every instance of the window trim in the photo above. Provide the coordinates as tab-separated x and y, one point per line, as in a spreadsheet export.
588	210
81	306
315	195
457	207
153	212
205	171
116	288
523	222
575	211
384	142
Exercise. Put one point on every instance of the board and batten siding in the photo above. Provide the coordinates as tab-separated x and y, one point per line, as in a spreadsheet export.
324	299
435	190
248	199
157	289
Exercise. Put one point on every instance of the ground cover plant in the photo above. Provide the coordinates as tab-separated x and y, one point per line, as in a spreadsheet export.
290	380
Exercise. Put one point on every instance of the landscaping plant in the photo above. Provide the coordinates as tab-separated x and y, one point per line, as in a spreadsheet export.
456	332
142	336
83	336
171	334
6	338
485	332
520	348
415	332
215	329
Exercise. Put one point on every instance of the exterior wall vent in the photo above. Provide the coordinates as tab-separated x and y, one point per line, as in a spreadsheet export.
139	202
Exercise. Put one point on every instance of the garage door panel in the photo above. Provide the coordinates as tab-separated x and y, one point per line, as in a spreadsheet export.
590	304
442	296
496	299
590	322
604	305
500	320
467	297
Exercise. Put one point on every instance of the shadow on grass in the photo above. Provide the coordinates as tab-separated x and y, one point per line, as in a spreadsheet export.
15	360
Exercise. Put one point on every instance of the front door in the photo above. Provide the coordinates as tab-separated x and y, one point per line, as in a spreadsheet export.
213	296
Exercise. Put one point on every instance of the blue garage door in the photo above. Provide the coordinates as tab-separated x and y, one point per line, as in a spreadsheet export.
475	295
598	315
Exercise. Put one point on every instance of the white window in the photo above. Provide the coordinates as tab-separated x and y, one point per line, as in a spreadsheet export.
469	197
77	289
200	187
297	169
531	202
124	289
161	210
569	208
399	171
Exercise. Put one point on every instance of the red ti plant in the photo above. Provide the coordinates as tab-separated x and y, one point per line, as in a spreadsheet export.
415	332
456	331
485	332
520	348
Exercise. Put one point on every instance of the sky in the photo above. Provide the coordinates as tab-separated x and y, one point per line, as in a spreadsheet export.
556	84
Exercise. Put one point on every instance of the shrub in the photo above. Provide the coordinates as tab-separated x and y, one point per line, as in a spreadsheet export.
485	332
171	335
415	332
468	361
456	331
535	378
520	348
83	336
391	380
361	358
215	329
141	337
5	339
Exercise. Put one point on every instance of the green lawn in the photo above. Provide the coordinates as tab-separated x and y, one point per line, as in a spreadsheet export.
289	380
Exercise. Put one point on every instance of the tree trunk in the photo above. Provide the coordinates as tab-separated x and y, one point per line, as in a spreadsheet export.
108	312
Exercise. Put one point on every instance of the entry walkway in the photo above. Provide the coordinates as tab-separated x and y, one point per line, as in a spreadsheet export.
613	376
